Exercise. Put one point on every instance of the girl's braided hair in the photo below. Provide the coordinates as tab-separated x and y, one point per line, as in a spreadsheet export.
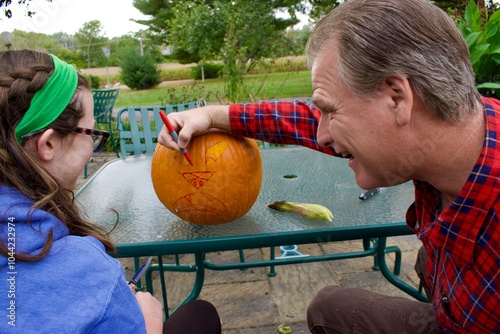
22	74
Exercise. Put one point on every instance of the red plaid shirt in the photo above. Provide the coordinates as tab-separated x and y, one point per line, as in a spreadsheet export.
462	241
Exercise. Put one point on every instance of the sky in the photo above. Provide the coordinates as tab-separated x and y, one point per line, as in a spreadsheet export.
70	15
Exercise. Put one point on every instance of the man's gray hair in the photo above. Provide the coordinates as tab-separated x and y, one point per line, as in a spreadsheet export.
410	38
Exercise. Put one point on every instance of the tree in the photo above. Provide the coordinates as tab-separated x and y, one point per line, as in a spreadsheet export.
196	35
139	71
161	12
90	40
458	7
239	32
320	8
117	45
71	57
8	12
298	38
36	41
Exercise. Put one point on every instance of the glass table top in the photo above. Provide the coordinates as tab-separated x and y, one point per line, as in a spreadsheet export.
122	190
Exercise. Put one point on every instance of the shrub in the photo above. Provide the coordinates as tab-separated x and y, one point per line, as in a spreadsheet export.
483	39
176	74
176	95
139	72
95	81
288	64
211	71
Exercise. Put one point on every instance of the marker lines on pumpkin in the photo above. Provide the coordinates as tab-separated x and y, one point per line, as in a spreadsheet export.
199	201
197	179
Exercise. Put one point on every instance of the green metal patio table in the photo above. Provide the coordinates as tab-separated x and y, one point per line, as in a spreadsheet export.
145	227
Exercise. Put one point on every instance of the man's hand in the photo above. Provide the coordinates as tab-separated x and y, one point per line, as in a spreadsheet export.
194	122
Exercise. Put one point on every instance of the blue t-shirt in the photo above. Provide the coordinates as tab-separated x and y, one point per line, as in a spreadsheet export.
76	288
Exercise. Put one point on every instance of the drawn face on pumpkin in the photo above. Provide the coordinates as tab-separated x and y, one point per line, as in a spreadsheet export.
222	184
199	200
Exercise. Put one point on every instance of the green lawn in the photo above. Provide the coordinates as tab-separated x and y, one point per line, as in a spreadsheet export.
258	87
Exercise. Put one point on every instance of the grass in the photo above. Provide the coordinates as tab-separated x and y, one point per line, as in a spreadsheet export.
270	86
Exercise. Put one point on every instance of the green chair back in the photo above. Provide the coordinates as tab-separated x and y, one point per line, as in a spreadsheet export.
104	101
139	127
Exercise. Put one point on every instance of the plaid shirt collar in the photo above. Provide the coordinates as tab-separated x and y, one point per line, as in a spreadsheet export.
456	228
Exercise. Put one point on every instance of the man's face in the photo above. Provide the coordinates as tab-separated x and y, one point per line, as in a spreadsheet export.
366	130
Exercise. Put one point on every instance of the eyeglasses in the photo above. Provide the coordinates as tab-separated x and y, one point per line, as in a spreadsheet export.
100	138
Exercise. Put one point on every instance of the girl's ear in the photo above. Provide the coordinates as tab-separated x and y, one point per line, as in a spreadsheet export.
401	95
45	145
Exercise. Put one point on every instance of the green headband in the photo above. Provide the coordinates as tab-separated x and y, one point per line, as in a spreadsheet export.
50	101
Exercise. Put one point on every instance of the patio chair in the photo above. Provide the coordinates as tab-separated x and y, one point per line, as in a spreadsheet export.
104	100
139	127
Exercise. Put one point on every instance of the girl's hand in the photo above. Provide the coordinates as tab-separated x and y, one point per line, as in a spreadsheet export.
152	311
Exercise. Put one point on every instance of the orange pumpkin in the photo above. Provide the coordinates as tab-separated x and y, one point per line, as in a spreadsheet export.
221	186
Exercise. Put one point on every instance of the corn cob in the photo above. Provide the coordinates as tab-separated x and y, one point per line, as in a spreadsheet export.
313	211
